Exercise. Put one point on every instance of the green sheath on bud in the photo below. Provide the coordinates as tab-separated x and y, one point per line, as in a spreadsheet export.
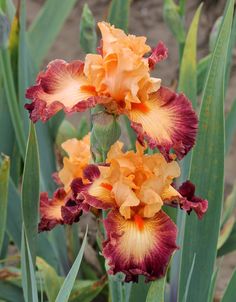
173	20
105	132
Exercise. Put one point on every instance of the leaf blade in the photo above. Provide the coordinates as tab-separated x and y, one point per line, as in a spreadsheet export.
4	179
210	145
67	285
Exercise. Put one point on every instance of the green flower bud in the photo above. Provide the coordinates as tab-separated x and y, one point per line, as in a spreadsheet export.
174	20
105	132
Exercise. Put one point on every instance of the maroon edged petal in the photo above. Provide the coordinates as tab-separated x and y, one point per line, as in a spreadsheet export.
139	247
60	209
62	86
166	121
190	201
91	172
159	53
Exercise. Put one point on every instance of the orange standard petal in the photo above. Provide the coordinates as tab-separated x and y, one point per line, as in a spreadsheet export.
62	86
121	74
79	157
167	121
139	246
114	38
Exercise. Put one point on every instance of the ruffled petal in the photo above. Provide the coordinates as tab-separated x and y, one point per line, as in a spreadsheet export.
62	86
167	121
159	53
79	157
184	198
139	246
192	202
58	210
97	193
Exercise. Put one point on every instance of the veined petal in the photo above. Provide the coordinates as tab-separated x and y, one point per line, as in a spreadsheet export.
167	121
62	86
141	246
159	53
58	210
184	198
97	193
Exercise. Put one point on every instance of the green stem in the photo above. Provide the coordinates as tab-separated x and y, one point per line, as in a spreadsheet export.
5	66
130	132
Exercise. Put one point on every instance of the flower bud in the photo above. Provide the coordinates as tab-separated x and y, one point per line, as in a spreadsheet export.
174	20
105	132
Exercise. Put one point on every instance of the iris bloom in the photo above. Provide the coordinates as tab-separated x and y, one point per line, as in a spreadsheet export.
62	208
118	77
134	186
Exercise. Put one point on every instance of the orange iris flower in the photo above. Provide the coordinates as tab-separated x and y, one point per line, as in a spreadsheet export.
118	77
135	186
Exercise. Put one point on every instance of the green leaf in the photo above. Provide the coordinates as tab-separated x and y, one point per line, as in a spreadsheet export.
188	85
30	191
185	299
14	219
232	43
225	232
229	205
230	244
28	274
188	69
4	179
139	291
47	26
86	291
83	127
119	13
5	66
88	36
10	292
52	282
173	20
67	285
212	285
230	127
202	69
156	291
210	146
229	294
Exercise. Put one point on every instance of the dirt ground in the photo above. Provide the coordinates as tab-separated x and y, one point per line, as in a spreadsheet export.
146	19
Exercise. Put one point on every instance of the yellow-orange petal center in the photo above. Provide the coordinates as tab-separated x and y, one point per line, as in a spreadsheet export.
141	107
106	186
139	222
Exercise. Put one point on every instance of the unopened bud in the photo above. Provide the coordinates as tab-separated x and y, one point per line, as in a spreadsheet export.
174	20
105	132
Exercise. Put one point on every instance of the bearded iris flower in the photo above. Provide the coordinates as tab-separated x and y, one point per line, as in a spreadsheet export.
133	187
118	77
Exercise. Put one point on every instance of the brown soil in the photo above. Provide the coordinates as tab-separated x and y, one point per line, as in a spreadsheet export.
146	19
